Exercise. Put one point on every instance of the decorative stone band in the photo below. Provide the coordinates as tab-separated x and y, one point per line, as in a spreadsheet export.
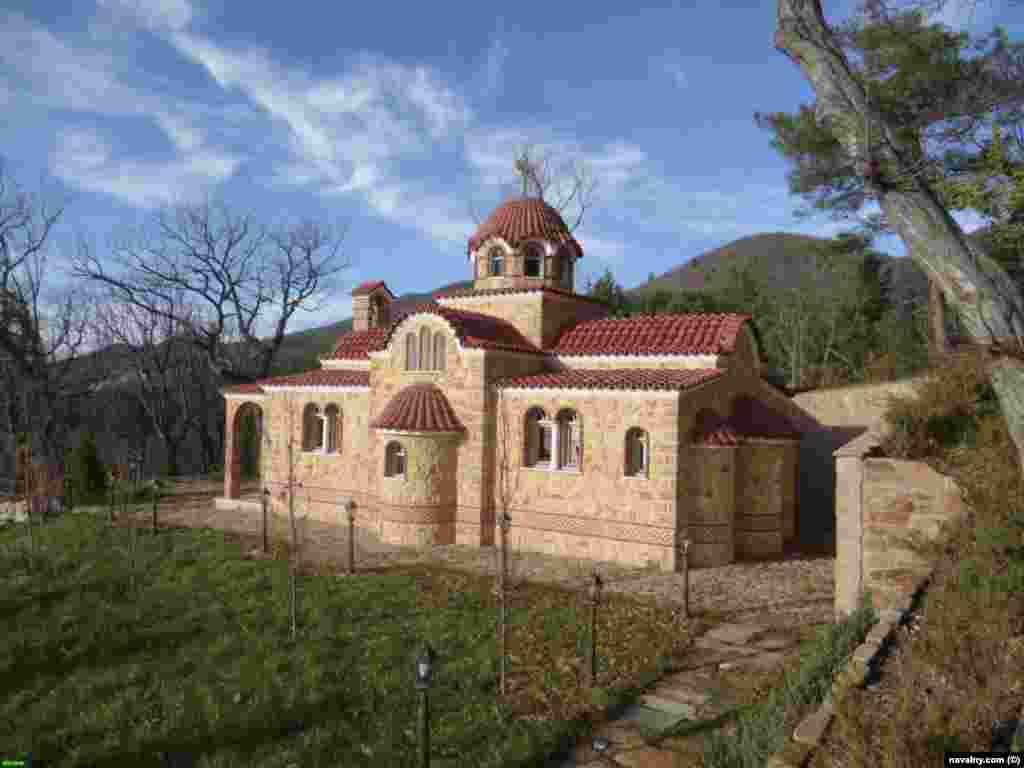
317	389
637	361
344	365
591	527
242	396
597	394
420	514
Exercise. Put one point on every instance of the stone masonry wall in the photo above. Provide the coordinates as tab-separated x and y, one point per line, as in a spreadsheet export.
712	497
596	512
326	478
879	503
418	508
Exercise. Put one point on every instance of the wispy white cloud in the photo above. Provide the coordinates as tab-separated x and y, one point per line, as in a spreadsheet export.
86	160
494	64
347	133
156	15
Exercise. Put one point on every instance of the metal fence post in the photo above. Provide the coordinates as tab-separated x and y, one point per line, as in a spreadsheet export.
685	549
595	600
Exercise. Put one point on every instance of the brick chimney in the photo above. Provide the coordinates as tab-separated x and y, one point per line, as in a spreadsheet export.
371	305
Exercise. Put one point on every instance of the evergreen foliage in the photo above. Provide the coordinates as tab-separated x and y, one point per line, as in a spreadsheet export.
88	474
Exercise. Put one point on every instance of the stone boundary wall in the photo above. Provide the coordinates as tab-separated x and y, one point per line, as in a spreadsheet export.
834	418
880	504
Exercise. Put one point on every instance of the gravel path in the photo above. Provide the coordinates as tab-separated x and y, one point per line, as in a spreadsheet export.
779	593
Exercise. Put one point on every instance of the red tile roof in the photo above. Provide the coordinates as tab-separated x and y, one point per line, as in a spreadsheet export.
522	219
419	408
711	429
475	329
249	388
369	286
755	419
629	379
463	292
317	377
652	335
356	345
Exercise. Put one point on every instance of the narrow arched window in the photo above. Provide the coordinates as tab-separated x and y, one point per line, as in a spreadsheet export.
312	428
636	453
538	439
394	460
440	351
533	263
425	350
332	429
570	439
496	261
410	351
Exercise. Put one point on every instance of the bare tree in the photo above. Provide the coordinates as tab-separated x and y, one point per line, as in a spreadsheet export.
563	181
42	324
974	285
242	282
160	373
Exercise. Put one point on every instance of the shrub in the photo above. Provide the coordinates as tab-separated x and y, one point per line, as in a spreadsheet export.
87	471
760	732
944	414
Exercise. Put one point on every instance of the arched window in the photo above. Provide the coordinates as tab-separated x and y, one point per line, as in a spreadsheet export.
496	261
410	351
440	351
332	428
636	453
312	428
425	350
394	460
570	439
533	262
538	438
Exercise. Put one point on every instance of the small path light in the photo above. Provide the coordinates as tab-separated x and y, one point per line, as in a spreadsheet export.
600	745
424	678
595	599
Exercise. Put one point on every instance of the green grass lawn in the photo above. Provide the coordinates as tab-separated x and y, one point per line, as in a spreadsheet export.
119	645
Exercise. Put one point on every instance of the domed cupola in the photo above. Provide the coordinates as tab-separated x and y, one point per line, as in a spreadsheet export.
524	243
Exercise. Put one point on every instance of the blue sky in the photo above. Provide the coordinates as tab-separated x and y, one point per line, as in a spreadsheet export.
398	121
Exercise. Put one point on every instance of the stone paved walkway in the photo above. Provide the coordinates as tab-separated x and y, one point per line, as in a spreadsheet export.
693	695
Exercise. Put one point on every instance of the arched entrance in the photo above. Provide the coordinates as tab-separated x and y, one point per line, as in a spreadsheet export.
243	447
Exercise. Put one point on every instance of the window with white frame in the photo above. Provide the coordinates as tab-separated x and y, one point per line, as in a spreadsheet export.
332	429
570	442
538	439
394	460
533	263
636	453
425	349
440	351
312	428
411	356
496	261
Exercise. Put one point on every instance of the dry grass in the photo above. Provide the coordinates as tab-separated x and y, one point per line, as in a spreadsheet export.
958	669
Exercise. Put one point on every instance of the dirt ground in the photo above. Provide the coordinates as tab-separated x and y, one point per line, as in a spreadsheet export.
795	591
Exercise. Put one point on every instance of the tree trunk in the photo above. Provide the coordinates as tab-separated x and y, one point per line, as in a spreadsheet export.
977	288
938	345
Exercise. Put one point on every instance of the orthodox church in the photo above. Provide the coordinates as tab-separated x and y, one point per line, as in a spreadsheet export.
602	438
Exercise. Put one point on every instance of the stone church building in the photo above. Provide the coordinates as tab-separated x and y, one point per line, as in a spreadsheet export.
603	438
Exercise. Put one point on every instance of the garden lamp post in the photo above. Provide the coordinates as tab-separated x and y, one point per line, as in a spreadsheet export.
424	677
595	599
505	522
350	508
264	501
684	550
